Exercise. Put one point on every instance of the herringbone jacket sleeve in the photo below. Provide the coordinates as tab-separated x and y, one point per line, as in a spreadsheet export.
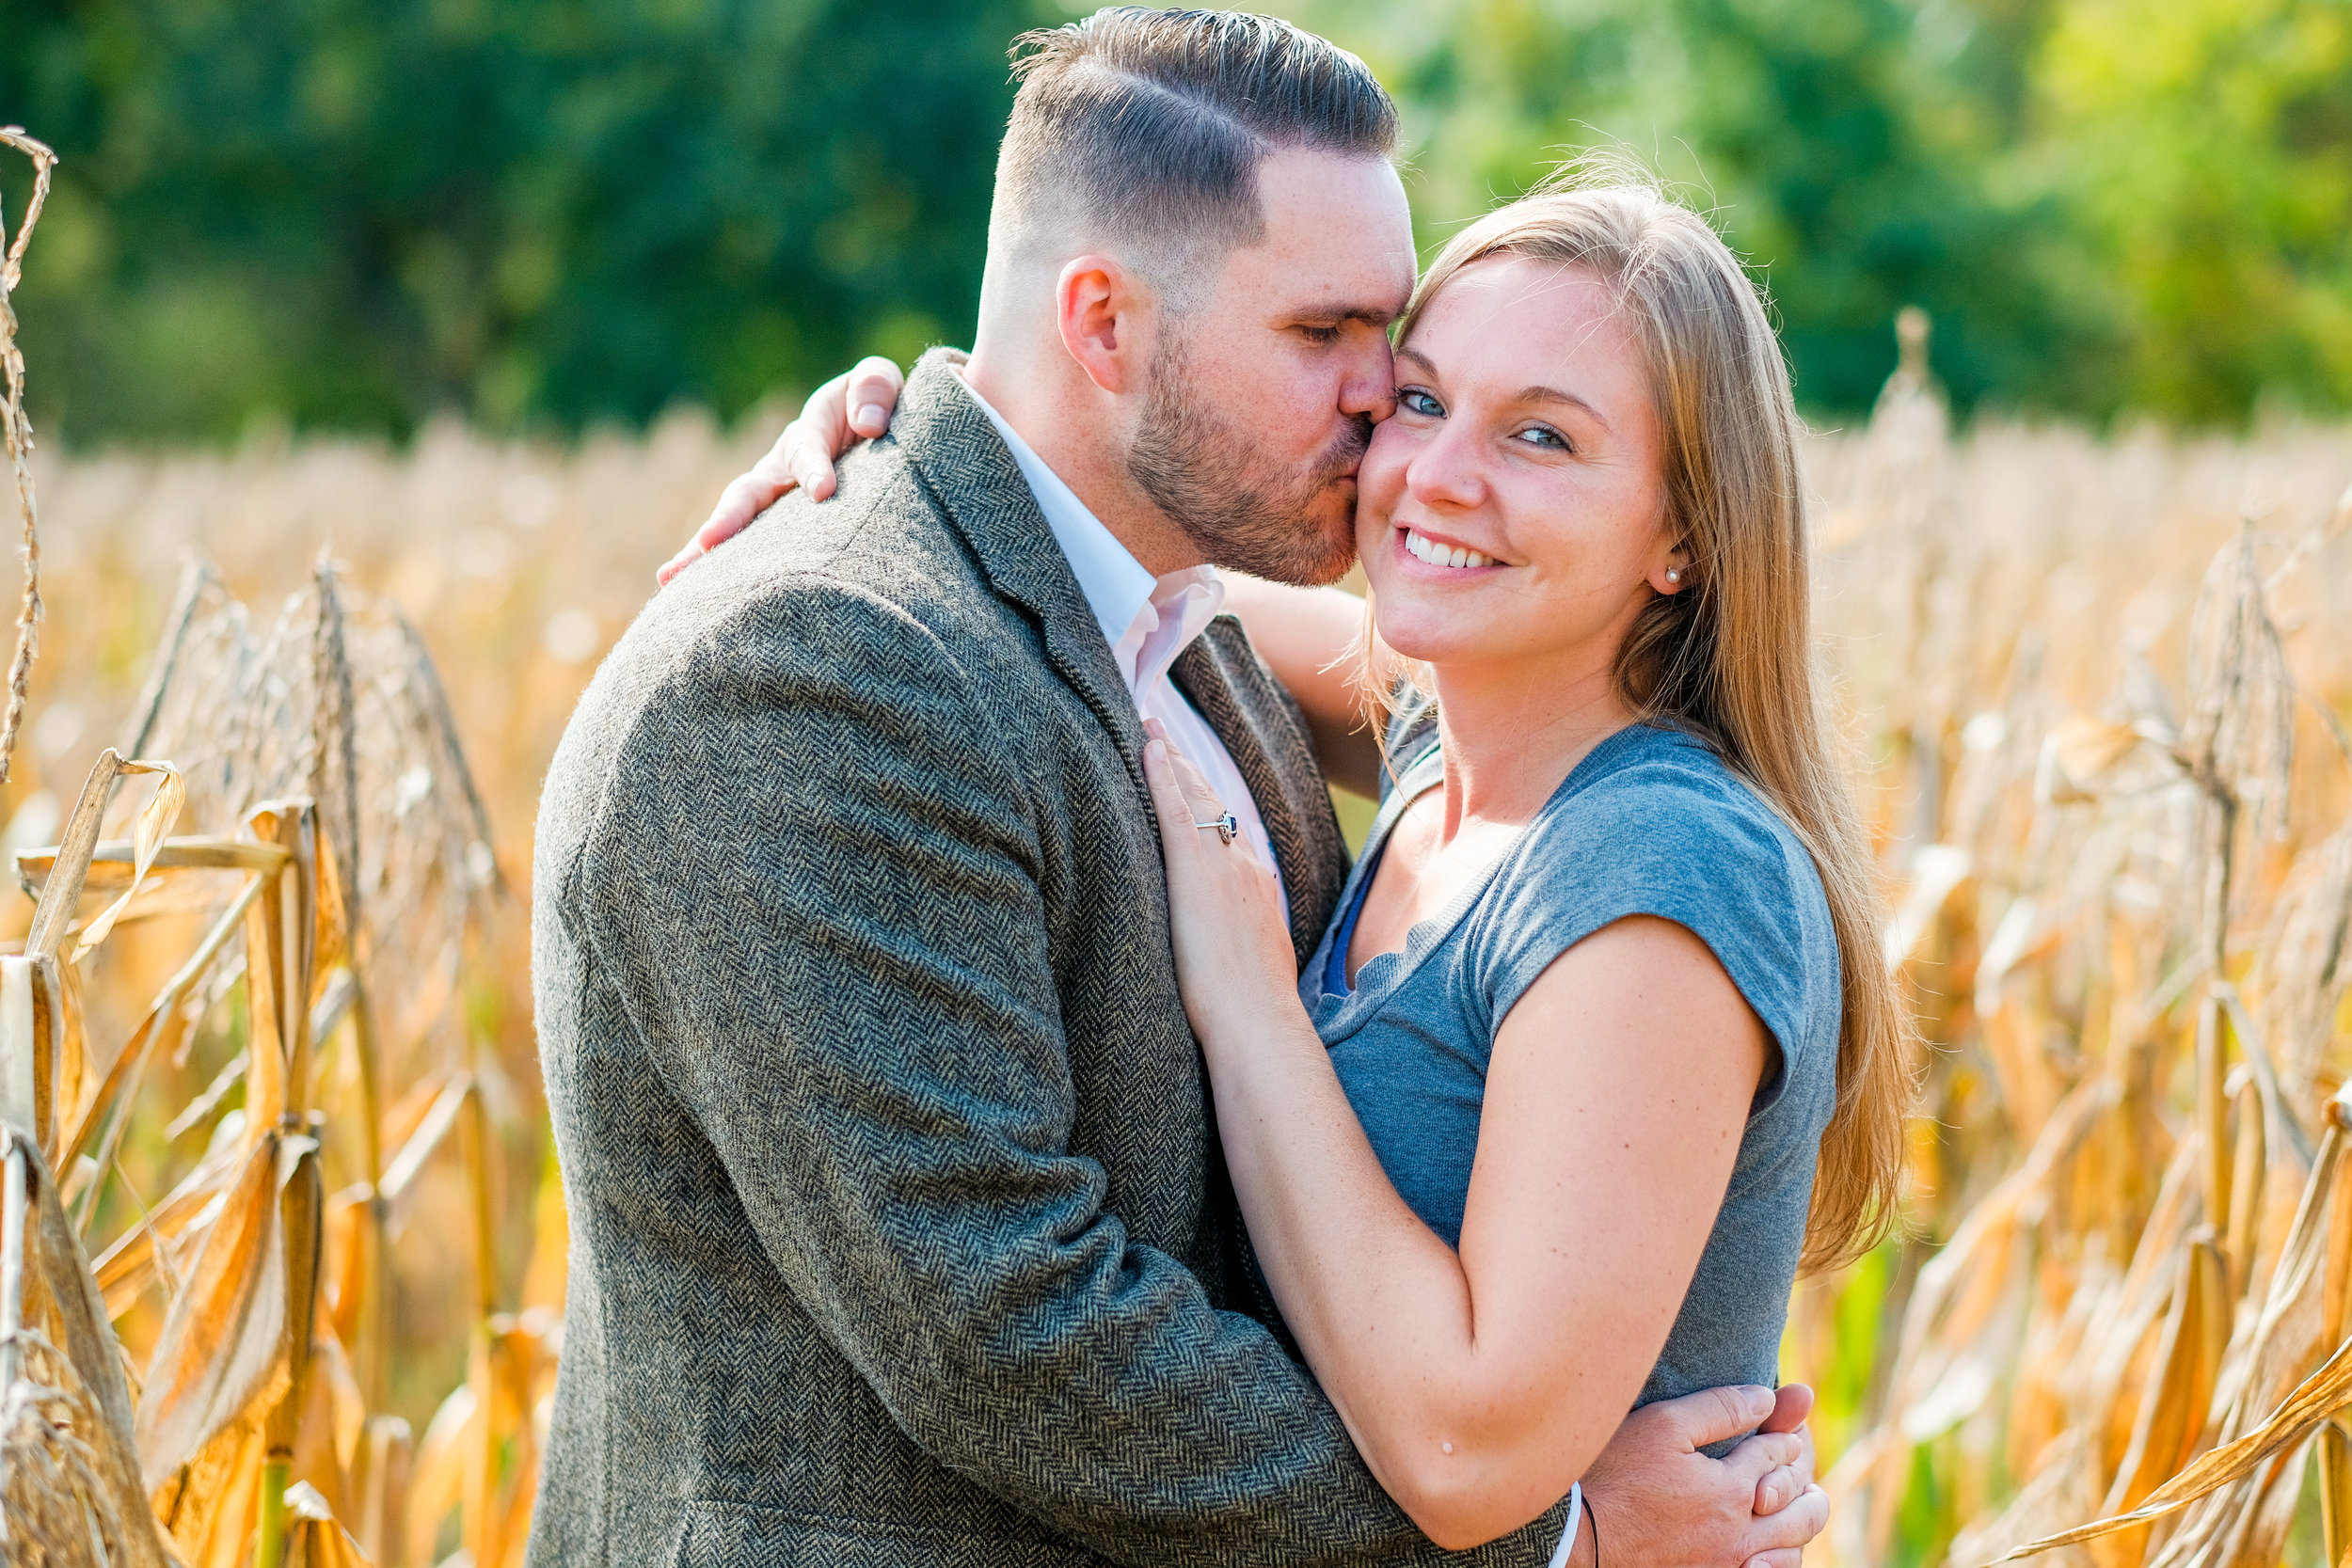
814	875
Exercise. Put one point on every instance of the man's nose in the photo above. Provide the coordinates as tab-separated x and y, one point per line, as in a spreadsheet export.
1369	389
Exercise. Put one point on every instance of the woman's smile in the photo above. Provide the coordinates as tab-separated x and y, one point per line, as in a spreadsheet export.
1444	555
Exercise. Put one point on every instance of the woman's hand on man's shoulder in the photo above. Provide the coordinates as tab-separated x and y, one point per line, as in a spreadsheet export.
854	406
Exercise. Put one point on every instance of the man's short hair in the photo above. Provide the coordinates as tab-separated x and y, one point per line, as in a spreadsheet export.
1143	130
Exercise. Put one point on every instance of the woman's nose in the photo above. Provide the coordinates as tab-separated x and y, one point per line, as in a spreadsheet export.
1447	472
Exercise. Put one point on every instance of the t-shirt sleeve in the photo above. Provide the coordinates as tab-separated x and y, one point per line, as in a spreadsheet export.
1696	849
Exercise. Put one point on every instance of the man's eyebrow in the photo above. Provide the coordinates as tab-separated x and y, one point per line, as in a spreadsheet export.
1372	315
1373	312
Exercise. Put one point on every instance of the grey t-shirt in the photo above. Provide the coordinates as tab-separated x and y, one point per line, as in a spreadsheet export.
1650	822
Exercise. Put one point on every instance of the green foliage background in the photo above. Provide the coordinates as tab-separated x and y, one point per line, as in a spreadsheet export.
545	214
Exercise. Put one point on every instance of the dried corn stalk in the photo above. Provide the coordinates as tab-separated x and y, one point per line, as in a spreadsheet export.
16	432
2127	1347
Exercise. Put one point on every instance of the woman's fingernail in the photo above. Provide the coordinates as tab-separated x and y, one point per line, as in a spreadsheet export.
873	414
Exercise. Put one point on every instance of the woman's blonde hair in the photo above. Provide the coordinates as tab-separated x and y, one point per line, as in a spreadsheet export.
1730	656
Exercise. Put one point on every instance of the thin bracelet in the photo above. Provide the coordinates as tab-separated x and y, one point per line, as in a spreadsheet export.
1595	1519
1566	1548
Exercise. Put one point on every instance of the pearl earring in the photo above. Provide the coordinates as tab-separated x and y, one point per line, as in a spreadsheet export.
1674	574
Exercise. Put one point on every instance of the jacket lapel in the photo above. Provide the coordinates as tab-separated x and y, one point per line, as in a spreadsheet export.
1266	736
957	454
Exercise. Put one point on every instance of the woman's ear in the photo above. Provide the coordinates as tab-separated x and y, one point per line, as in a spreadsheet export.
1672	574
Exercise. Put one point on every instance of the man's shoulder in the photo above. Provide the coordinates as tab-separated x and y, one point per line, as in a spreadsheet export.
882	532
869	595
881	560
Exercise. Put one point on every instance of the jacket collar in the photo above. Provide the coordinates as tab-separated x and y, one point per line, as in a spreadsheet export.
956	451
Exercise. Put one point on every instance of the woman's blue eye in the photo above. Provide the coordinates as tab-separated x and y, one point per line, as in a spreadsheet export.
1543	435
1414	401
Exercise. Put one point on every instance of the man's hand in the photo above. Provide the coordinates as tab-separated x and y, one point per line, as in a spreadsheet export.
843	411
1657	1502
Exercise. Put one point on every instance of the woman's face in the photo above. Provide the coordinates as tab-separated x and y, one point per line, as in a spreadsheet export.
1524	447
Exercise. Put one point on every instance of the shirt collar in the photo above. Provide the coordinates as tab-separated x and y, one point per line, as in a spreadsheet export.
1148	621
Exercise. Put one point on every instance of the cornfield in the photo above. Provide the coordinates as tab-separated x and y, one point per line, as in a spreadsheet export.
284	1260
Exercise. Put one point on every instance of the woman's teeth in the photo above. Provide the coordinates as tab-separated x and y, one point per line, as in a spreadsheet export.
1442	555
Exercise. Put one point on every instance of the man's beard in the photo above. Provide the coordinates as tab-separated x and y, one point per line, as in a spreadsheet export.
1207	473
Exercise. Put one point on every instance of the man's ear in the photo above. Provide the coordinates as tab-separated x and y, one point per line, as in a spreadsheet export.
1101	310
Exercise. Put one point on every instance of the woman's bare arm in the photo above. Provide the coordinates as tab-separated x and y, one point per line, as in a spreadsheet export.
1480	1385
1313	638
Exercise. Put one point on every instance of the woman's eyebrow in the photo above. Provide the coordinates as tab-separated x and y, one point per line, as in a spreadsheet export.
1553	395
1530	393
1527	394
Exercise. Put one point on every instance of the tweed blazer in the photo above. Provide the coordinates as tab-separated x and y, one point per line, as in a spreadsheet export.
899	1230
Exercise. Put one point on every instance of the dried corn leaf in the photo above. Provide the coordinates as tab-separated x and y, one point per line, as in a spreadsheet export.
130	1064
126	1268
156	819
62	892
379	1481
315	1538
1935	872
439	1117
222	1353
2187	1365
211	1503
300	1202
438	1480
2325	1391
2081	753
113	862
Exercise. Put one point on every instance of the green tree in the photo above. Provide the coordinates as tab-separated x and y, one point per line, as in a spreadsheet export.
352	213
2204	148
557	212
1841	144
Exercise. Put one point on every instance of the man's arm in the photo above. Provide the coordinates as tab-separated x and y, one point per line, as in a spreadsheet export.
817	877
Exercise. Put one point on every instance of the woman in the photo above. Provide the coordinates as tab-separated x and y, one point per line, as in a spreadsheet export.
1598	1048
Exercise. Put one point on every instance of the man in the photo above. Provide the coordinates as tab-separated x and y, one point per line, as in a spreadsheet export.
901	1234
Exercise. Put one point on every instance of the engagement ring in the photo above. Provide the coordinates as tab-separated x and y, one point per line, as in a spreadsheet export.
1224	827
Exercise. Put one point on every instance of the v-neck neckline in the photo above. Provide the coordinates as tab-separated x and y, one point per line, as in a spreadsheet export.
1383	972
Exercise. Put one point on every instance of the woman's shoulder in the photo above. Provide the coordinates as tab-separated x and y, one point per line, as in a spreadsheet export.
1664	799
1658	824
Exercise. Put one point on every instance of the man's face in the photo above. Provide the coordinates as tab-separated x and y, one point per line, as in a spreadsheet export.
1264	395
